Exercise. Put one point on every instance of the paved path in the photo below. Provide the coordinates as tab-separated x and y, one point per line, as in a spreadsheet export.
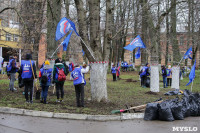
11	123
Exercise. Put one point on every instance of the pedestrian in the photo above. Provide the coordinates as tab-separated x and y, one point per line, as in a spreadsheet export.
125	66
59	77
78	81
143	74
45	80
11	69
164	74
169	76
118	72
113	71
28	70
71	68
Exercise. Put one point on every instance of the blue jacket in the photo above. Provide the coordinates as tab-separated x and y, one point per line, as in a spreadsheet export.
49	74
10	67
164	73
77	76
26	69
169	72
144	71
113	70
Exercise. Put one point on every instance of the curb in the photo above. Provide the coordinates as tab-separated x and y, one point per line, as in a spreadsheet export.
129	116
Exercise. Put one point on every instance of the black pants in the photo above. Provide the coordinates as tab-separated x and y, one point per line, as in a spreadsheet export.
59	87
28	87
79	95
143	81
114	76
169	81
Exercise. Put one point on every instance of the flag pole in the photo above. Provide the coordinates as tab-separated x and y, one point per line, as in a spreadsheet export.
87	48
56	50
180	61
192	85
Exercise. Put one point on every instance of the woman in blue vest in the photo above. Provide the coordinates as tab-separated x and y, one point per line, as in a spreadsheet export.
11	69
28	77
78	81
113	71
143	75
45	80
58	68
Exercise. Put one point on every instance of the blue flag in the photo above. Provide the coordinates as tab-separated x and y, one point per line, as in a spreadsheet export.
137	42
137	54
192	73
66	41
188	53
83	52
63	27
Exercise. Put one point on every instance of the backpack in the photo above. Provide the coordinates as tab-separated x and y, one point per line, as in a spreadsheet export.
44	77
61	74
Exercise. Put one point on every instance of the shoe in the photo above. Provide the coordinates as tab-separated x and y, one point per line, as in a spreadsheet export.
61	100
57	101
41	101
45	102
27	101
14	89
23	93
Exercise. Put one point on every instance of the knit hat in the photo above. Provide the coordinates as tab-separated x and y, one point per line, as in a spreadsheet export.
47	62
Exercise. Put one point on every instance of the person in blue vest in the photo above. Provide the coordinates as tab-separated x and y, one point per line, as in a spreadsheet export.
28	77
169	76
78	81
11	69
114	71
45	80
143	74
164	74
57	70
125	66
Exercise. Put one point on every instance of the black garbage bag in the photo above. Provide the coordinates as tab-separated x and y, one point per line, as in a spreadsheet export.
194	104
151	112
164	111
148	82
185	106
187	93
170	93
176	108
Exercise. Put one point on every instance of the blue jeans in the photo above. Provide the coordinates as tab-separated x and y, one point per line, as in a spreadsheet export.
164	82
44	92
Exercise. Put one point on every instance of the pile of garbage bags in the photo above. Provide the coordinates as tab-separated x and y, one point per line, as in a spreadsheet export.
174	109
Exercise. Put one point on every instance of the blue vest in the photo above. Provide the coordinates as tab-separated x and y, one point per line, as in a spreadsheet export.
169	72
48	71
9	66
113	69
77	76
144	71
70	67
26	69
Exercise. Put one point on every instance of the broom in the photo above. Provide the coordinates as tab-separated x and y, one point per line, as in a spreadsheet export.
37	96
135	107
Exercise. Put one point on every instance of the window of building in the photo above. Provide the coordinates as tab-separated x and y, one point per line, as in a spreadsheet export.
181	41
15	38
8	37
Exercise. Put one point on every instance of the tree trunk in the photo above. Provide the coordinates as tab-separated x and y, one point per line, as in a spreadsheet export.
98	77
175	47
154	87
175	77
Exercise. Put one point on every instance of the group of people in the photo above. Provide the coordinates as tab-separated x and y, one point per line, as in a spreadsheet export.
47	76
145	73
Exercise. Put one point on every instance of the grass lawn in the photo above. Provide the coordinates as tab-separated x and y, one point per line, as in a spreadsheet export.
126	91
